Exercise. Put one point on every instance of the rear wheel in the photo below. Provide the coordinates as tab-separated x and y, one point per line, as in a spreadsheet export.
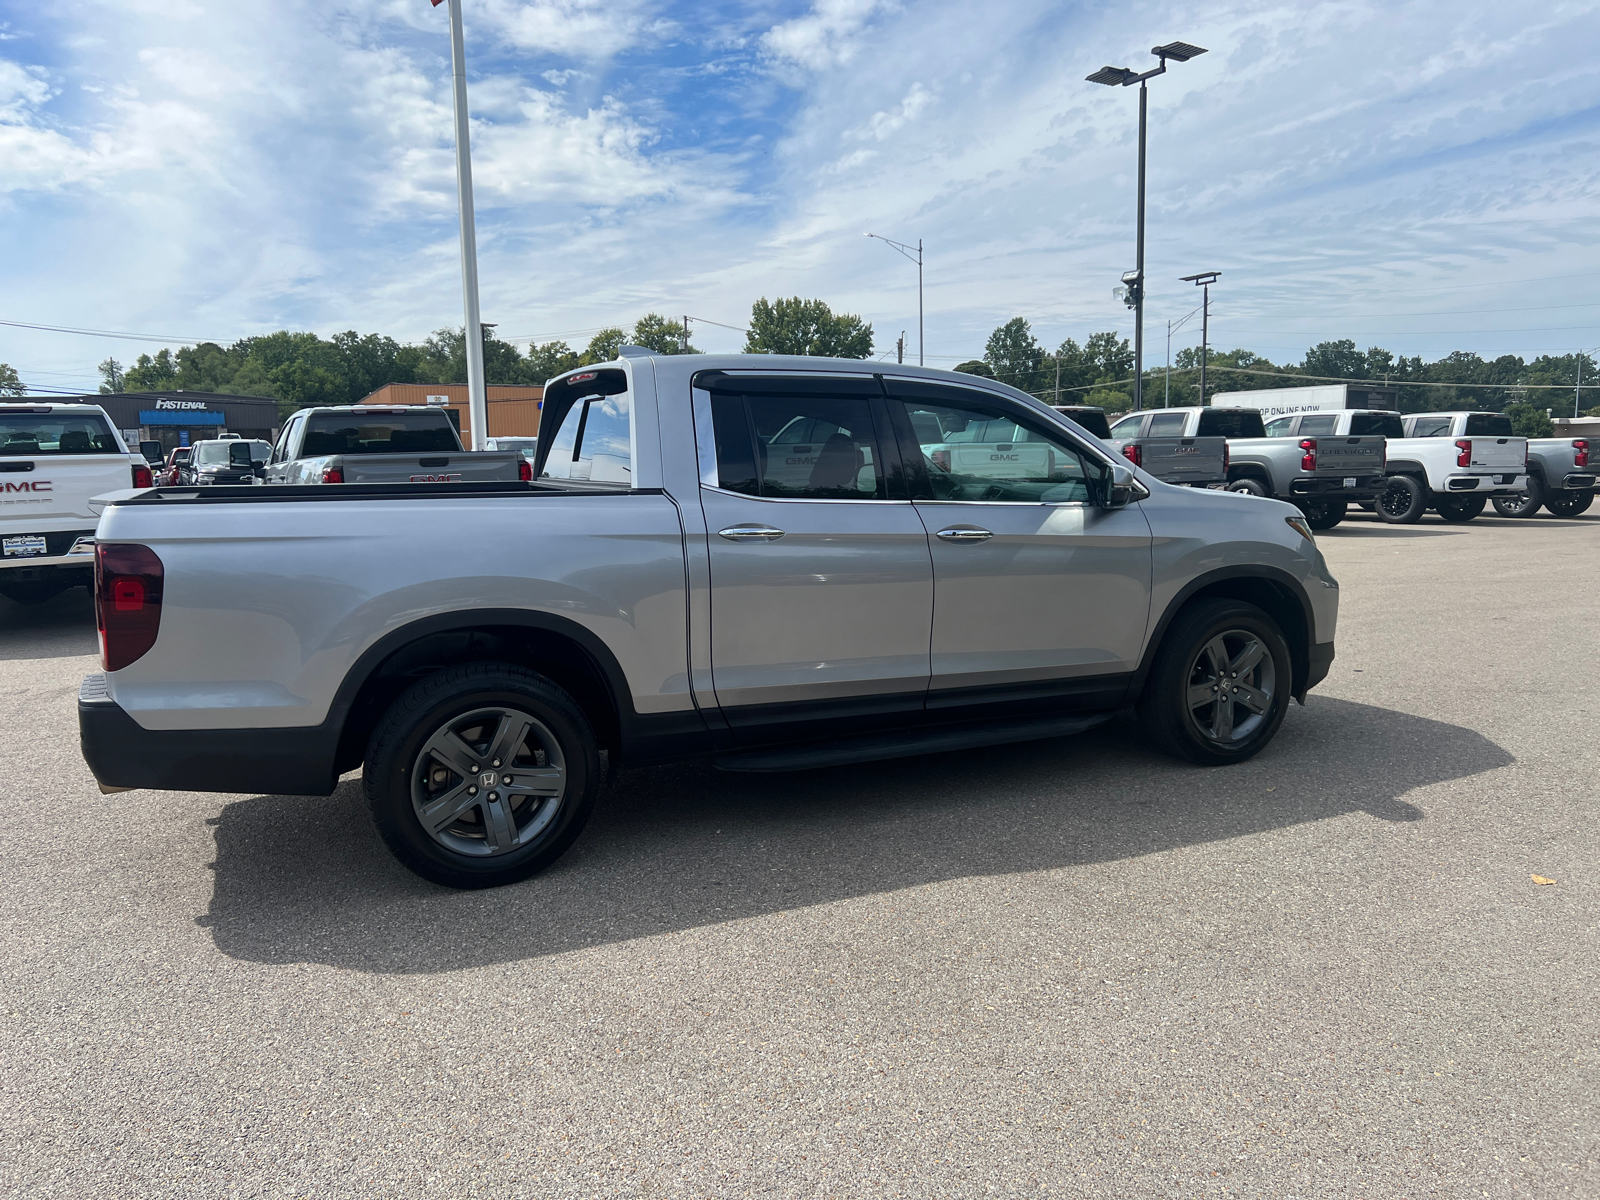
1569	504
1524	504
482	775
1403	501
1219	685
1250	487
1459	509
1325	514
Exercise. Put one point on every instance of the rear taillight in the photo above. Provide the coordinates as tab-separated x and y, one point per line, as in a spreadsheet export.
1580	452
332	475
1463	453
127	601
941	459
525	471
1131	453
141	477
1308	460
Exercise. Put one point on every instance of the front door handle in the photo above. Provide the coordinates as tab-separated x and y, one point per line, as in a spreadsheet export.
750	533
964	533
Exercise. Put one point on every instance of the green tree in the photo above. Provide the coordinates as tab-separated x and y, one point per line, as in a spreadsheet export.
549	360
443	359
604	346
1014	355
975	366
1339	360
152	374
810	327
10	382
664	336
111	377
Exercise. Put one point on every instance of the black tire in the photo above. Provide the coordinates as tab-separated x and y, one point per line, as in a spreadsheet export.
1403	501
1568	504
1187	723
1524	505
1323	515
1368	506
1458	510
496	834
1249	486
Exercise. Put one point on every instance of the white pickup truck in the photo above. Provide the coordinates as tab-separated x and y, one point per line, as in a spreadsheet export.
1453	463
387	443
53	458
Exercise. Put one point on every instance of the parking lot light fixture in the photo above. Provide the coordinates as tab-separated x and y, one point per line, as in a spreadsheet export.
1125	77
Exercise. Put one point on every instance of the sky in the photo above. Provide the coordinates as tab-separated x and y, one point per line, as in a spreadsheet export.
1421	176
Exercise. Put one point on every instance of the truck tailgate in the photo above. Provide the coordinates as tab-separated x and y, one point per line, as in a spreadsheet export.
1349	455
1001	459
1185	460
466	466
55	487
1499	454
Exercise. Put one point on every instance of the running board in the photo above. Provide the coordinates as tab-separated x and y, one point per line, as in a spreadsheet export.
938	740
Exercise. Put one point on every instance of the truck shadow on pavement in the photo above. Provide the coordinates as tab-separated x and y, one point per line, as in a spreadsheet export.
300	879
61	627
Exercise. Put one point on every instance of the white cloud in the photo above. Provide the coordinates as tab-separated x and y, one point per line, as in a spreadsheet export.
828	36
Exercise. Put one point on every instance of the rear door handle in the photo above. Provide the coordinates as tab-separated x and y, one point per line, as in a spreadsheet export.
964	533
750	533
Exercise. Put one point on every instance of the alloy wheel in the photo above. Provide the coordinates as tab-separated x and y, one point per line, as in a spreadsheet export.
1232	683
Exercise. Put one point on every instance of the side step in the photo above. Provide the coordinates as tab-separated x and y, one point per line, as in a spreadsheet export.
937	740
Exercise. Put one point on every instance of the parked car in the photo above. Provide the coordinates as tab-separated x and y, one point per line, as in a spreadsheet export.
53	458
169	473
1453	463
670	587
388	444
1181	446
225	460
1562	477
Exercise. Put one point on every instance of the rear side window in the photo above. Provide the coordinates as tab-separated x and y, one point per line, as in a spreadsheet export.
1375	425
816	447
1430	427
595	441
37	435
1232	422
1488	425
1279	428
422	432
1167	425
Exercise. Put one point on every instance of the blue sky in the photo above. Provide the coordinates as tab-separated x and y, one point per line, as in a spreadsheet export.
1421	176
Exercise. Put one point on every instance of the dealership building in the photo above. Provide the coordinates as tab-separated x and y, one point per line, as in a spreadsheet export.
182	418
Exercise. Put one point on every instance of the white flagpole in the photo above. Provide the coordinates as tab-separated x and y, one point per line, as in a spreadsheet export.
477	397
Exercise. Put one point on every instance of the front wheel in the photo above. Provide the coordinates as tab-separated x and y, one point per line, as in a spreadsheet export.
1522	504
1325	514
1459	509
1219	685
1402	501
1569	504
482	775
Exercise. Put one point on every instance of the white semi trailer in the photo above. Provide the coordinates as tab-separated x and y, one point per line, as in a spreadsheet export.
1331	397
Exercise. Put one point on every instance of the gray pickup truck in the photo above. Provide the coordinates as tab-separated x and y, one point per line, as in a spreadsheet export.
1183	446
1321	461
762	560
383	444
1562	477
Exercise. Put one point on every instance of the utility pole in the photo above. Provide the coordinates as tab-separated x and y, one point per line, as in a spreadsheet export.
1578	390
1166	398
900	347
477	395
1133	281
686	333
906	251
1058	380
1203	280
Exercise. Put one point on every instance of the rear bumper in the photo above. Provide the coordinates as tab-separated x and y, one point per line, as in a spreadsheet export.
1499	483
1363	488
64	548
1580	483
121	753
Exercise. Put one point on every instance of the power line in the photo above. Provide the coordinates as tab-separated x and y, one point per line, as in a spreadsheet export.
132	337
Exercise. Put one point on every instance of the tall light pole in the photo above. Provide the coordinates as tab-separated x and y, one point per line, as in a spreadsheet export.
916	258
1133	281
477	396
1203	281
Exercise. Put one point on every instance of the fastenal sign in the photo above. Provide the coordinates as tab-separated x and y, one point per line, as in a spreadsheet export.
190	405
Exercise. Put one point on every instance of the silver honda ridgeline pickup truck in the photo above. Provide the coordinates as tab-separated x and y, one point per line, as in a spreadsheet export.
773	562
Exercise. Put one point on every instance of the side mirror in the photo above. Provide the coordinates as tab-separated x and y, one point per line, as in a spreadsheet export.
239	456
1122	488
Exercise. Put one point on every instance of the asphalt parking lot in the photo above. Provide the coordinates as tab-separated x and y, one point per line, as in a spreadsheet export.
1051	969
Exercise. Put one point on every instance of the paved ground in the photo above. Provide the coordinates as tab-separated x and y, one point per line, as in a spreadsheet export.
1072	969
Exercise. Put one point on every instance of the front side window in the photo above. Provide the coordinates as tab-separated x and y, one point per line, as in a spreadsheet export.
1318	426
798	446
594	442
1279	428
975	451
41	434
